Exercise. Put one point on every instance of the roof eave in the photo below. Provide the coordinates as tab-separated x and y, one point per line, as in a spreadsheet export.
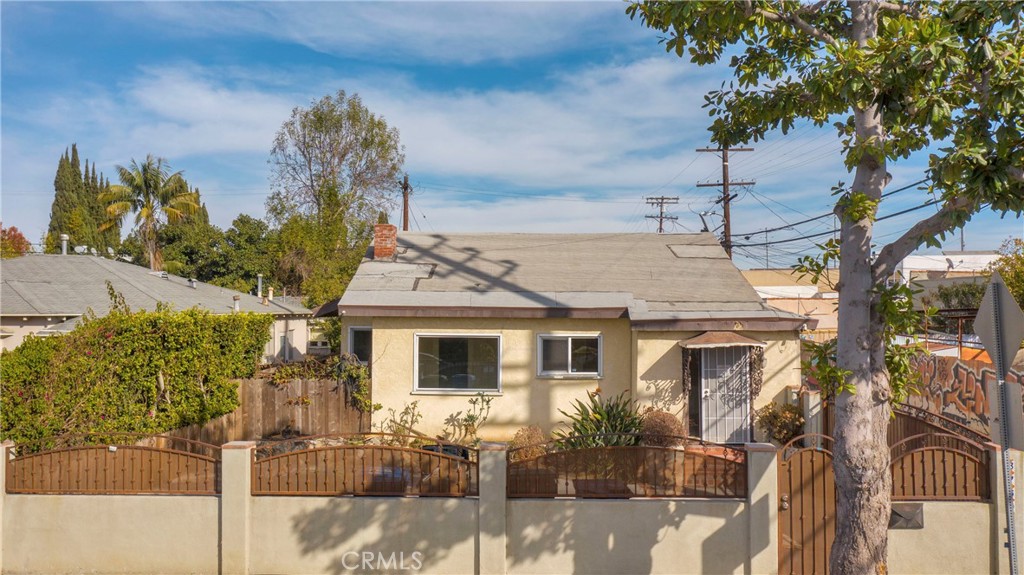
483	312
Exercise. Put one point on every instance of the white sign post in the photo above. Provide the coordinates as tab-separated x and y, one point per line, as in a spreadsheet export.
1000	326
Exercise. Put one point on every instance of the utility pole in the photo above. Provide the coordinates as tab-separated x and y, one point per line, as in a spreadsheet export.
766	266
726	198
405	203
661	202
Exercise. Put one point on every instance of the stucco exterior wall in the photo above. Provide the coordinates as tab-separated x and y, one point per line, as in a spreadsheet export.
660	369
22	327
639	536
525	398
957	538
110	534
645	363
331	534
289	340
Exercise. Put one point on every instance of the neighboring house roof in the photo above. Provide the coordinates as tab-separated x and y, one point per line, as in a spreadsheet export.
56	285
645	277
969	261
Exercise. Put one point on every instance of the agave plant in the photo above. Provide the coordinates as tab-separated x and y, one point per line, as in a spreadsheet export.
601	423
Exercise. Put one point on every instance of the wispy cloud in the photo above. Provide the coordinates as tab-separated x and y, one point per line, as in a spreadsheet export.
438	32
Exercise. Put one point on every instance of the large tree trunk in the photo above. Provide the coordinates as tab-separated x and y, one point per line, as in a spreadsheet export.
863	483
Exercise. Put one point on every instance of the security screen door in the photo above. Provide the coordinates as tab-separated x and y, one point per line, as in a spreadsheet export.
725	394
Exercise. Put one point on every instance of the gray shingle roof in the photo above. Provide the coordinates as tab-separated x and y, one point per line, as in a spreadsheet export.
667	276
54	285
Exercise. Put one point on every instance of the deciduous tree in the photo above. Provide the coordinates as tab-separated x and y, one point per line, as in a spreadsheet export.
335	168
335	158
13	243
898	79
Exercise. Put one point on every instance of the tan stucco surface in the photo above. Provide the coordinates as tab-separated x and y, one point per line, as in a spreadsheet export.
109	534
956	539
19	328
638	536
525	397
645	363
299	535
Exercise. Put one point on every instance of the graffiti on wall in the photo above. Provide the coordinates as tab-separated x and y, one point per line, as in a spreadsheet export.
956	389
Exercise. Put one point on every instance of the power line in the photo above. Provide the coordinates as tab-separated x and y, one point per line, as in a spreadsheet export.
469	191
811	236
826	215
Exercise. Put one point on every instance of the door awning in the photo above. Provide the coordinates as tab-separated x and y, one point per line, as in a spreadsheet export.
710	339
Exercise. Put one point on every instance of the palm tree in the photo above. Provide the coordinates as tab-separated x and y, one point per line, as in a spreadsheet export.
155	196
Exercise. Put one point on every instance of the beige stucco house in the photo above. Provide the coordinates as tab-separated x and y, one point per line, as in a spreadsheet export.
539	320
48	294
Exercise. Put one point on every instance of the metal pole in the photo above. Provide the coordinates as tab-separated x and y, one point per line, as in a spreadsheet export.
405	203
1004	439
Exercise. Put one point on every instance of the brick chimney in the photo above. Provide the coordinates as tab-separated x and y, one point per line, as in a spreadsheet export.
385	240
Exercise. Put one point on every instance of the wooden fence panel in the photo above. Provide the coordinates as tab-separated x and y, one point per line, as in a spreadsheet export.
300	407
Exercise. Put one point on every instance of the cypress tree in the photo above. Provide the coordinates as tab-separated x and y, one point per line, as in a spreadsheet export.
76	209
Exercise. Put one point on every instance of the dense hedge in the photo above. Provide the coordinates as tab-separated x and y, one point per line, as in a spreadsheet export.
144	372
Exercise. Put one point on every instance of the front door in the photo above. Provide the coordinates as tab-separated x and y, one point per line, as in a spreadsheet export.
725	394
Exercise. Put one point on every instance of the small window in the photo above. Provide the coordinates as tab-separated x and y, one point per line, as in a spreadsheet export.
458	363
570	355
360	343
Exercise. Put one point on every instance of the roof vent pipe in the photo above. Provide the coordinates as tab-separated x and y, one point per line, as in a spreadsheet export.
236	298
192	283
64	244
259	285
270	293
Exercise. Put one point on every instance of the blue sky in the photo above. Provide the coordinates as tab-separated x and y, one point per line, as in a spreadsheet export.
514	116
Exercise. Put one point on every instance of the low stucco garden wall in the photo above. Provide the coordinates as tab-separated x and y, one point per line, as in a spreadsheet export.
239	533
631	536
110	534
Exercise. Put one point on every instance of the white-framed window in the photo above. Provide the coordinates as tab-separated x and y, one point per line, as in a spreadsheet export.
360	343
577	355
458	362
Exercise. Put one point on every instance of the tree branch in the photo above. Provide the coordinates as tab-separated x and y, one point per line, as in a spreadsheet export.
800	24
912	11
892	254
795	20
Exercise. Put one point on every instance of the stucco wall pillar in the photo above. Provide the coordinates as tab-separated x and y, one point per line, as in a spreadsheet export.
235	503
491	540
810	404
3	493
763	506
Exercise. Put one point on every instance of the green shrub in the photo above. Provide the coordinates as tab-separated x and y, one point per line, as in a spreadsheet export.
141	372
615	419
782	422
